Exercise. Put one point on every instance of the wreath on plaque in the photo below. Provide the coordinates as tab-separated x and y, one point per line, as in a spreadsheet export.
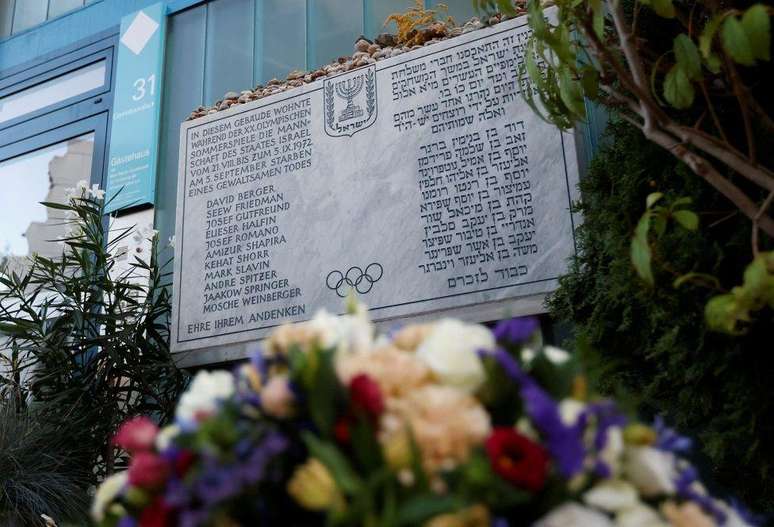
370	91
329	105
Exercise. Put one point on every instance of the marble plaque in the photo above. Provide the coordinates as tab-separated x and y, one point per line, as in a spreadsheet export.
422	182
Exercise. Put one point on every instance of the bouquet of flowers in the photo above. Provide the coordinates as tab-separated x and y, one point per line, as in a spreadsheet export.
446	424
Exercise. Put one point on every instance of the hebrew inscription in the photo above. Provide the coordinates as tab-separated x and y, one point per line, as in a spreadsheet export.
422	183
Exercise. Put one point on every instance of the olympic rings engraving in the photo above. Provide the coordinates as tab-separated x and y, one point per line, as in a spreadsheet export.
355	278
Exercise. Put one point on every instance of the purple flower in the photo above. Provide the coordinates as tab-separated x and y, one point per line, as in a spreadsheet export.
127	521
217	484
193	518
177	494
607	415
252	469
668	439
516	330
565	443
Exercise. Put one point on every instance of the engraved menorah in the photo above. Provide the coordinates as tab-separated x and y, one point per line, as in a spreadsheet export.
348	90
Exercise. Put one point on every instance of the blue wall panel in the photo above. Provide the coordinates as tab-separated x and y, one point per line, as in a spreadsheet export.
183	91
229	59
280	43
332	27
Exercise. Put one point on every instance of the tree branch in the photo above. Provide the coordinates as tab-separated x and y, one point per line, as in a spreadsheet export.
756	220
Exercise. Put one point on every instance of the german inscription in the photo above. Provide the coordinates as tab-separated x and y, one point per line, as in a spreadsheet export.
422	182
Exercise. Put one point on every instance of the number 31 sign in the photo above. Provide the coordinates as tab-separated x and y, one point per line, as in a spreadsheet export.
131	179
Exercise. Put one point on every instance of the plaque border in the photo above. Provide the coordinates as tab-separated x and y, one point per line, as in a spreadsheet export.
308	90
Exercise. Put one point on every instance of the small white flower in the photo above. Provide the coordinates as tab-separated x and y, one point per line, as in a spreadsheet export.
406	477
556	355
574	515
204	395
528	355
570	410
172	241
612	454
652	471
107	493
612	495
451	352
97	192
82	187
166	435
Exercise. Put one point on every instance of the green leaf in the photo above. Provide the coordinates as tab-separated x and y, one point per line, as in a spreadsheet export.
708	35
755	275
736	42
678	90
664	8
758	28
687	55
652	198
335	461
324	386
418	509
660	223
365	446
701	278
682	201
640	250
506	7
570	92
713	63
723	314
688	219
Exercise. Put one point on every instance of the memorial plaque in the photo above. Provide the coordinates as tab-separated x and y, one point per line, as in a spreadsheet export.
422	182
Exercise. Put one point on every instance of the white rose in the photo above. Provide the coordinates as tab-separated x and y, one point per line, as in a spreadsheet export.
106	493
347	333
612	495
652	471
639	516
204	395
574	515
451	352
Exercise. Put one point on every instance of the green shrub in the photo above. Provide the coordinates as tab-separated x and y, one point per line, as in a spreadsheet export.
653	342
88	343
40	471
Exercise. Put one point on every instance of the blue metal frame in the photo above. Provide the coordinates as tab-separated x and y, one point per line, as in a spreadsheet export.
76	116
96	124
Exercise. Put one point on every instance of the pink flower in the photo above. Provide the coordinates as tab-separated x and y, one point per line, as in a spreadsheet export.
277	399
148	471
136	435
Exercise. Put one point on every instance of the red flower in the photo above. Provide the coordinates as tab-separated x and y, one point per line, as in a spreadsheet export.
366	396
341	431
183	462
158	514
136	435
516	459
148	471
